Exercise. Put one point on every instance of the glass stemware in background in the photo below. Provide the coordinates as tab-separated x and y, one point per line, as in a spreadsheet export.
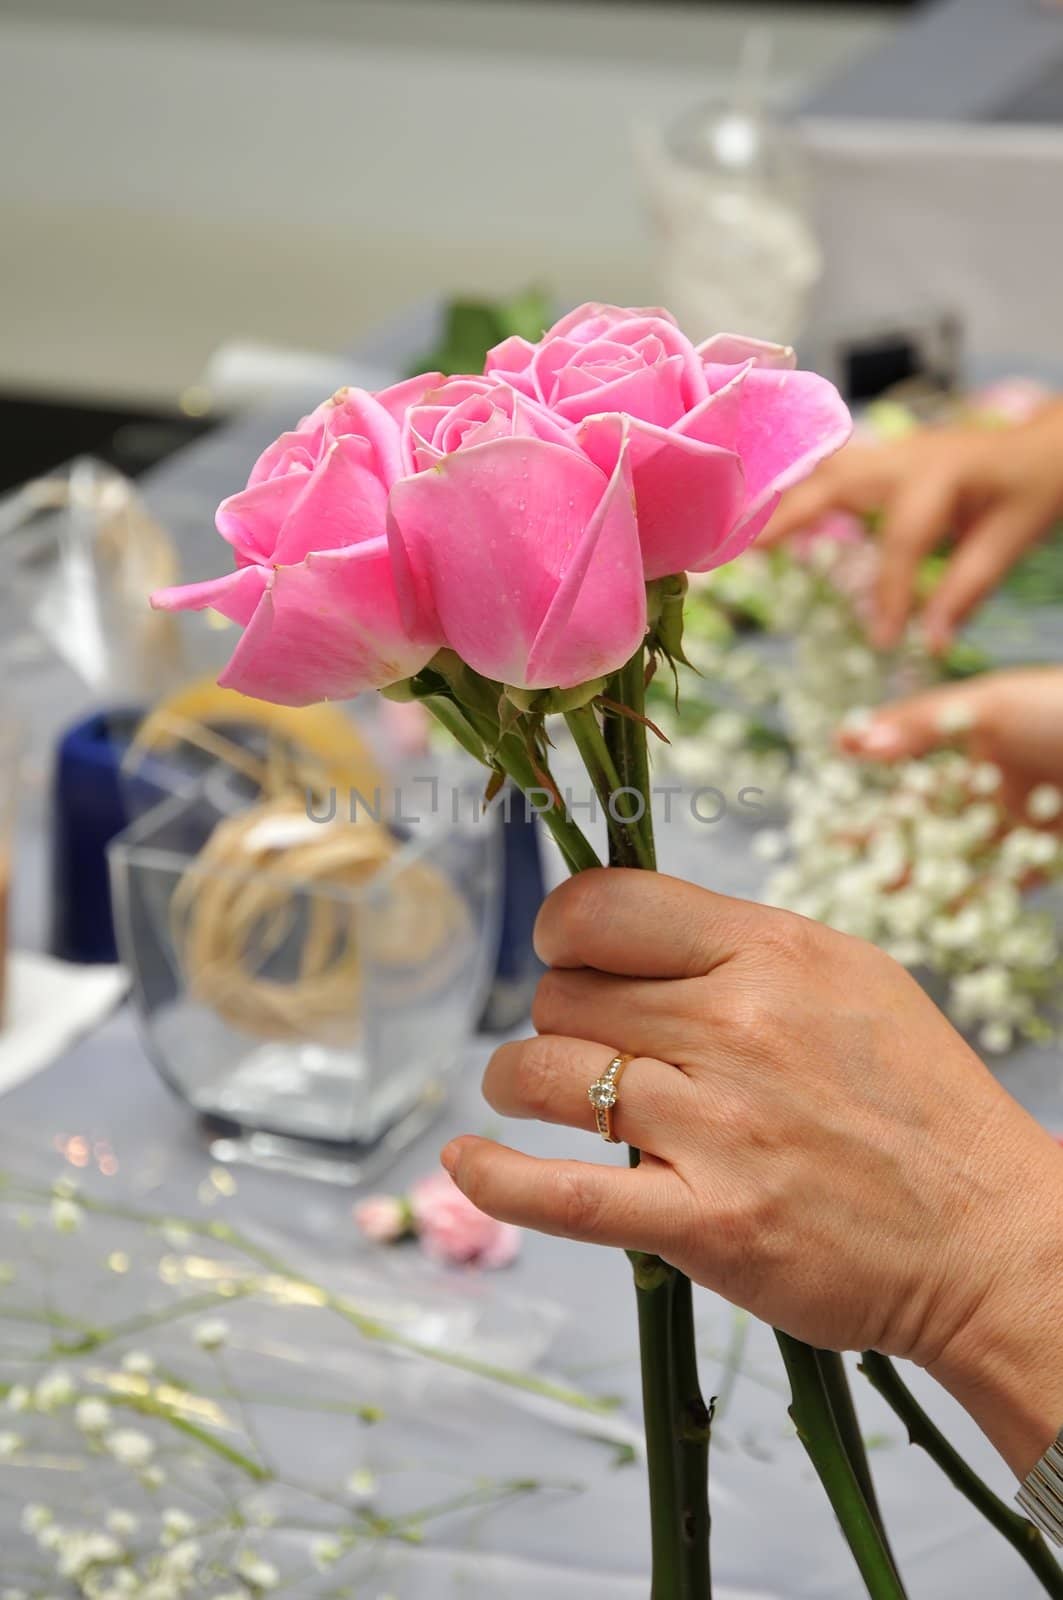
725	186
10	764
308	1000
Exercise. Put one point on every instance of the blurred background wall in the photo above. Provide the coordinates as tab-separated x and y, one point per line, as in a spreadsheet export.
176	174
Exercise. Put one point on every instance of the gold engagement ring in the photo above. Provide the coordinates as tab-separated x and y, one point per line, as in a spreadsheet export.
603	1095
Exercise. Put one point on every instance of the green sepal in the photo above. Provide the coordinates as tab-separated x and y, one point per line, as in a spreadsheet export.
554	702
665	603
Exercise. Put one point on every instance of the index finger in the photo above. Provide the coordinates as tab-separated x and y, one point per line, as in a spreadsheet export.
854	480
642	925
634	1208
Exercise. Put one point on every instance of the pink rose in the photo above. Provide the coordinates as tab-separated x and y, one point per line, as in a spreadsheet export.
314	587
469	411
451	1228
382	1217
715	434
529	551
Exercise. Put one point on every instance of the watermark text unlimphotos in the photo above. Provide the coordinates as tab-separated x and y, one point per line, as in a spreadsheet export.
420	798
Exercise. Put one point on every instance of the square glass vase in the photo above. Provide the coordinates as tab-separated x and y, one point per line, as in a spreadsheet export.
309	1009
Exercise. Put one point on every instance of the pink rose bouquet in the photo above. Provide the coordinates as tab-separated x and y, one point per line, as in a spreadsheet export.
513	517
505	545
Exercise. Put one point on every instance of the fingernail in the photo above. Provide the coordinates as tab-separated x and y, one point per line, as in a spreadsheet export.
937	636
448	1156
881	739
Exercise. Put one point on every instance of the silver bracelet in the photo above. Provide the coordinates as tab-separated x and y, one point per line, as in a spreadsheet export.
1041	1496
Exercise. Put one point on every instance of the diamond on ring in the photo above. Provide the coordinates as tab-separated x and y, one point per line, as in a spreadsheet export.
603	1095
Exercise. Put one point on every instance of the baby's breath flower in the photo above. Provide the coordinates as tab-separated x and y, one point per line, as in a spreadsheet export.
121	1582
123	1524
82	1550
211	1335
362	1484
162	1588
92	1415
66	1216
10	1444
35	1517
1045	803
54	1390
138	1363
153	1477
909	952
130	1447
255	1570
324	1553
176	1524
181	1560
996	1037
19	1398
985	778
919	777
769	844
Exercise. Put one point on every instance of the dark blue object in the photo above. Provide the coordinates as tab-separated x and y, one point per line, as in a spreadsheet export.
90	804
518	968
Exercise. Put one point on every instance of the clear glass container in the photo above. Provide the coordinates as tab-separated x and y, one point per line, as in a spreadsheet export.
310	1012
735	247
10	766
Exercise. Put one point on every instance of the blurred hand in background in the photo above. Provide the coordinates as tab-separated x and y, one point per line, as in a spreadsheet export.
1013	719
994	492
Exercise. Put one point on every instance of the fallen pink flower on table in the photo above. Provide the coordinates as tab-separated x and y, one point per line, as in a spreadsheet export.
452	1229
383	1218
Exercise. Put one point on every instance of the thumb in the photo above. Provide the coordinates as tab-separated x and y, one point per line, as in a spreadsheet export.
914	726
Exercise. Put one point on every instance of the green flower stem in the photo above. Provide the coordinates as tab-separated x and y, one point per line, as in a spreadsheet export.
1020	1534
449	717
146	1406
839	1453
813	1417
836	1383
473	728
629	844
695	1428
573	843
625	738
676	1418
653	1294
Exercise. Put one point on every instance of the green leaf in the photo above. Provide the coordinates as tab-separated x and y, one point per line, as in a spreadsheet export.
472	327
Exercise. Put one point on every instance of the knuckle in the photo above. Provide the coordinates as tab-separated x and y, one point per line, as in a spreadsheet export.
741	1227
547	1002
784	941
578	908
751	1022
730	1120
534	1077
577	1208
